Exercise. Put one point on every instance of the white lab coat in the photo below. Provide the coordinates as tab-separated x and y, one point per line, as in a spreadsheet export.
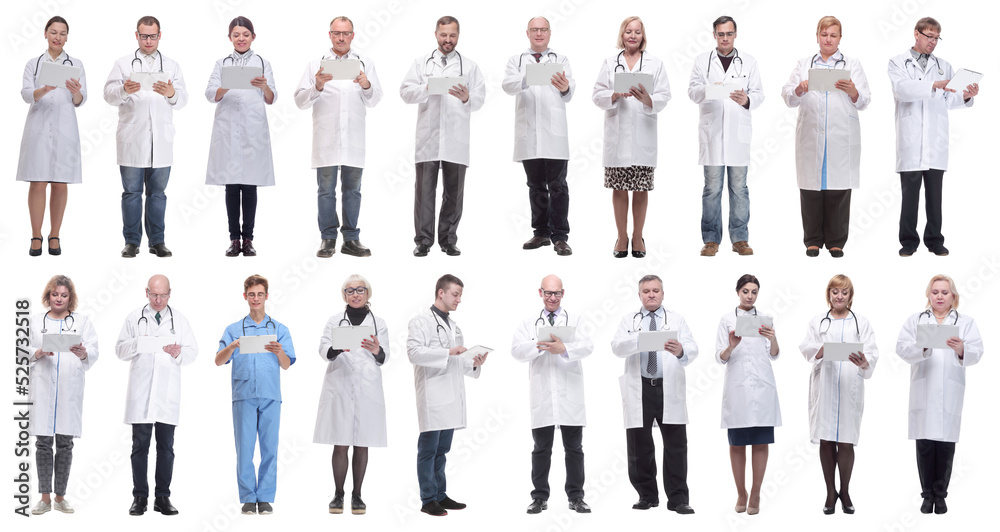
556	381
724	128
937	378
240	153
540	129
750	394
837	389
351	403
630	126
438	377
443	121
145	119
154	379
827	120
50	144
922	112
338	113
625	345
57	381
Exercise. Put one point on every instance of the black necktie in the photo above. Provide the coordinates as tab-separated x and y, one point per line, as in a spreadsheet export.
552	318
157	318
651	356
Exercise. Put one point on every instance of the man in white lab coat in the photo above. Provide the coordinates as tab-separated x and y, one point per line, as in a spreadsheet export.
442	141
153	401
654	390
435	345
541	137
338	110
145	135
920	86
557	399
724	135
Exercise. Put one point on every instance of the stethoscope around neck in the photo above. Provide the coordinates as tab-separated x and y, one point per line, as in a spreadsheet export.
69	320
733	64
618	61
736	311
835	63
438	329
930	315
541	321
344	322
829	322
267	324
347	56
233	61
910	61
554	56
461	62
637	324
137	58
143	318
39	62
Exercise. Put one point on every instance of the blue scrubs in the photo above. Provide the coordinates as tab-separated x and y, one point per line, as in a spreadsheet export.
256	407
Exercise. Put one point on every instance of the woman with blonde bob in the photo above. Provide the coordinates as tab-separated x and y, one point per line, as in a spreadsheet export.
937	385
837	387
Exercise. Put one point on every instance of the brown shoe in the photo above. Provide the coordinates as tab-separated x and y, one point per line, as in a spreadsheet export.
709	249
742	248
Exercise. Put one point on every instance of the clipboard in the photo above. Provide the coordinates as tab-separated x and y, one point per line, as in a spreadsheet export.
147	79
540	74
565	333
56	75
255	344
748	325
624	81
840	351
441	85
239	77
350	337
825	79
962	79
935	336
153	344
721	91
654	340
475	350
60	343
341	69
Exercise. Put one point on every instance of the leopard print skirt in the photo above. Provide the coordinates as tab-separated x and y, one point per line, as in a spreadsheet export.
631	178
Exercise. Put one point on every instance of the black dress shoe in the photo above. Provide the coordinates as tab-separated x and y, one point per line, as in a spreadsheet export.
162	505
54	250
836	253
421	251
358	506
621	254
337	504
355	248
234	249
537	505
327	247
810	252
562	248
829	510
160	250
433	508
536	242
452	251
138	506
37	252
248	250
939	506
907	252
451	504
682	508
848	509
129	251
639	254
927	506
643	504
940	251
578	506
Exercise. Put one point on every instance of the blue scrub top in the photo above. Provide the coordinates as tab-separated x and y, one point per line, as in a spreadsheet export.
257	375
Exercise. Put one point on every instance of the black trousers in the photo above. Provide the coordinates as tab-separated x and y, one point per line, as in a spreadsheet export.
425	196
642	452
249	203
933	181
141	435
541	460
548	194
934	460
826	217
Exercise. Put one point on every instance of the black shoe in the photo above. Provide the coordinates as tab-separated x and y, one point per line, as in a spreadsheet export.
249	508
451	504
829	510
128	251
160	250
812	252
927	506
621	254
58	249
337	504
162	505
639	254
234	249
248	250
37	252
264	508
355	248
562	248
433	508
537	505
138	506
836	253
536	242
907	252
421	251
451	249
643	504
682	508
327	247
844	506
939	506
357	505
940	251
578	506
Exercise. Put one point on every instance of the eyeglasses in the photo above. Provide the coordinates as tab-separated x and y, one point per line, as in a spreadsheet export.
729	34
557	294
361	290
152	295
149	36
538	30
932	39
341	33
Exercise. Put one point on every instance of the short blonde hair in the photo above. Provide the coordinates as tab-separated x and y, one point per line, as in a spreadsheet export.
842	282
951	286
62	280
828	21
352	279
621	33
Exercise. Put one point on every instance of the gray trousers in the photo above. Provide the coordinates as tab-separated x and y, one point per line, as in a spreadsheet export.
425	195
44	462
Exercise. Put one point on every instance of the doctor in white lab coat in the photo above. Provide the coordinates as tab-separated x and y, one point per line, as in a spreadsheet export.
434	345
827	141
240	153
56	391
630	145
837	389
654	391
919	84
937	387
557	399
541	136
724	130
145	135
153	400
351	403
442	140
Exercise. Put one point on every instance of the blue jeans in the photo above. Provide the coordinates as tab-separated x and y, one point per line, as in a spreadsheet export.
155	181
350	188
711	204
431	449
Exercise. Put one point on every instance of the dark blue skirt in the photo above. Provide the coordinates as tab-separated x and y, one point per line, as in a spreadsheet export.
751	436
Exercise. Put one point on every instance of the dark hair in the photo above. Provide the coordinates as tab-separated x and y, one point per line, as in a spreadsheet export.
254	280
60	280
445	20
745	280
242	22
148	20
55	19
722	20
447	278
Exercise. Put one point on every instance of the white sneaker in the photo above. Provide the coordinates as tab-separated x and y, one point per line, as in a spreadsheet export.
41	508
62	506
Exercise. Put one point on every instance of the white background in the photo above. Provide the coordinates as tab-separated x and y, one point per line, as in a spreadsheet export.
489	463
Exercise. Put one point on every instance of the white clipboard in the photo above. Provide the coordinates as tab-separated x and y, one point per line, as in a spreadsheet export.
654	340
721	91
350	337
840	351
147	79
56	75
239	77
749	325
59	343
540	74
153	344
441	85
342	69
935	336
624	81
825	79
962	79
255	344
475	350
564	333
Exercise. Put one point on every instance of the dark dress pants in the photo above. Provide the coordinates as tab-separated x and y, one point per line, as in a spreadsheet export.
826	217
425	196
933	181
642	452
141	435
934	460
548	194
541	460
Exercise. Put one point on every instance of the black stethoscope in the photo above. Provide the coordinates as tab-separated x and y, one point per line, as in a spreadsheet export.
829	322
618	62
233	61
910	61
929	316
440	328
39	62
69	318
266	324
137	58
835	63
143	318
736	311
349	324
553	55
348	56
733	64
636	325
461	62
544	321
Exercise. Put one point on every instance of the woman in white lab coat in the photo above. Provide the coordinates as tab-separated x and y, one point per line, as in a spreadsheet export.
937	387
827	141
56	391
630	132
750	408
351	404
240	154
837	389
50	144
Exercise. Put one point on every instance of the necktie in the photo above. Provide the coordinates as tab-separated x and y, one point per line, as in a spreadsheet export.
444	61
651	356
157	318
552	318
537	56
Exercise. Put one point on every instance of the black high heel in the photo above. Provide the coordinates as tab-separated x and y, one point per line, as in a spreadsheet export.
54	250
639	254
35	252
621	254
829	510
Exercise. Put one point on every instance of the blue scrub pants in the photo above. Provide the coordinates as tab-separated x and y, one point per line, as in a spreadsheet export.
432	446
253	418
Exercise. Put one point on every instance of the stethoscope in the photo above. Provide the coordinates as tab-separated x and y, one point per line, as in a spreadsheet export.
441	328
618	62
461	62
266	324
39	62
929	316
137	58
349	324
553	55
637	325
829	322
733	64
143	318
736	311
69	320
835	63
541	318
348	56
910	61
233	61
